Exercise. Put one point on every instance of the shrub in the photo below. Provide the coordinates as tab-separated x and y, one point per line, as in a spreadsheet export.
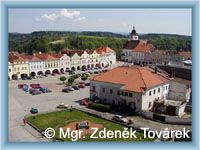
99	107
63	78
71	80
76	76
84	78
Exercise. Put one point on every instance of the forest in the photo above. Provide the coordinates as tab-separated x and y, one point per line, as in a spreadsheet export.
54	41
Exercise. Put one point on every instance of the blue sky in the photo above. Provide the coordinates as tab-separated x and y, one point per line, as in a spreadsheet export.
172	21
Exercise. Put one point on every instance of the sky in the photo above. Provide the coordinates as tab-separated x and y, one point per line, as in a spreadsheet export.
170	21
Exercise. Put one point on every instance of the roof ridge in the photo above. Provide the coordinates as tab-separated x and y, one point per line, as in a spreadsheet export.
142	77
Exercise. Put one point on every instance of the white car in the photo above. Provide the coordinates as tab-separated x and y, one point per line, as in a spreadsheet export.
62	105
120	119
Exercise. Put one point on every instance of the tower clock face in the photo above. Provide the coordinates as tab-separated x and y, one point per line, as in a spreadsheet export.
135	37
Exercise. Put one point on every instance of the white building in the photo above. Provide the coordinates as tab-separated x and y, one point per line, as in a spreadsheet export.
85	60
36	66
137	87
65	63
107	56
137	51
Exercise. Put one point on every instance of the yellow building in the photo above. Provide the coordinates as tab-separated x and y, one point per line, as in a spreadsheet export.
20	68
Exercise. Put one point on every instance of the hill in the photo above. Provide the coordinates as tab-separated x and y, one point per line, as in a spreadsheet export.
48	41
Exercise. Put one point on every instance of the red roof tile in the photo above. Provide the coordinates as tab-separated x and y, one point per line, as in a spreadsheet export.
133	78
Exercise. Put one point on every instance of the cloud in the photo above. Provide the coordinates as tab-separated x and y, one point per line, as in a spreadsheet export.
80	19
69	14
64	13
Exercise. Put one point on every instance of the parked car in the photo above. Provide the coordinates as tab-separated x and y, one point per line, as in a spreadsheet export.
75	87
81	85
45	75
66	90
119	118
20	86
96	72
35	86
87	84
34	110
36	92
62	106
25	88
71	88
85	102
45	90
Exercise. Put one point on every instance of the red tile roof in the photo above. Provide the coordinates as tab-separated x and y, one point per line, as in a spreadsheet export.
185	54
139	46
104	49
133	78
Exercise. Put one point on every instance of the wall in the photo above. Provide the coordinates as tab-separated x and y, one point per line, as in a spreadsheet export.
168	119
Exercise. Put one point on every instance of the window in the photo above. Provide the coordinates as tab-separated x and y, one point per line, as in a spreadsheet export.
130	94
103	90
111	91
149	93
122	93
118	92
126	93
154	91
158	90
9	70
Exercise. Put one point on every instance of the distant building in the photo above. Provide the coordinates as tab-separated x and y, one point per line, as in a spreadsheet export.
107	56
137	51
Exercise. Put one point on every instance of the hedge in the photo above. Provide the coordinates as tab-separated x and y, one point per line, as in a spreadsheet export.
99	107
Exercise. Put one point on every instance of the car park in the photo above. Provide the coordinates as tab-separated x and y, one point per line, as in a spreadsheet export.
34	110
62	106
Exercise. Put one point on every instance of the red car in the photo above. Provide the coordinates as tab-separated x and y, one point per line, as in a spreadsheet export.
81	85
20	86
35	86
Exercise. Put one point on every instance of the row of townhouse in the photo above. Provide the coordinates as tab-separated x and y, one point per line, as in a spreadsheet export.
140	51
22	65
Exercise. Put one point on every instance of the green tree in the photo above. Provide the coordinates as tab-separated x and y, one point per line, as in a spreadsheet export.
63	78
71	80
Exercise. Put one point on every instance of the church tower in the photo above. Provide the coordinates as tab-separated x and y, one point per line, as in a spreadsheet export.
133	35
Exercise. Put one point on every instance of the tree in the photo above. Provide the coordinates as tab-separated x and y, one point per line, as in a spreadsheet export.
63	78
84	78
71	80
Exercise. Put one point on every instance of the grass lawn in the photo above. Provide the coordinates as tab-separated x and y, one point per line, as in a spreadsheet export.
62	118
